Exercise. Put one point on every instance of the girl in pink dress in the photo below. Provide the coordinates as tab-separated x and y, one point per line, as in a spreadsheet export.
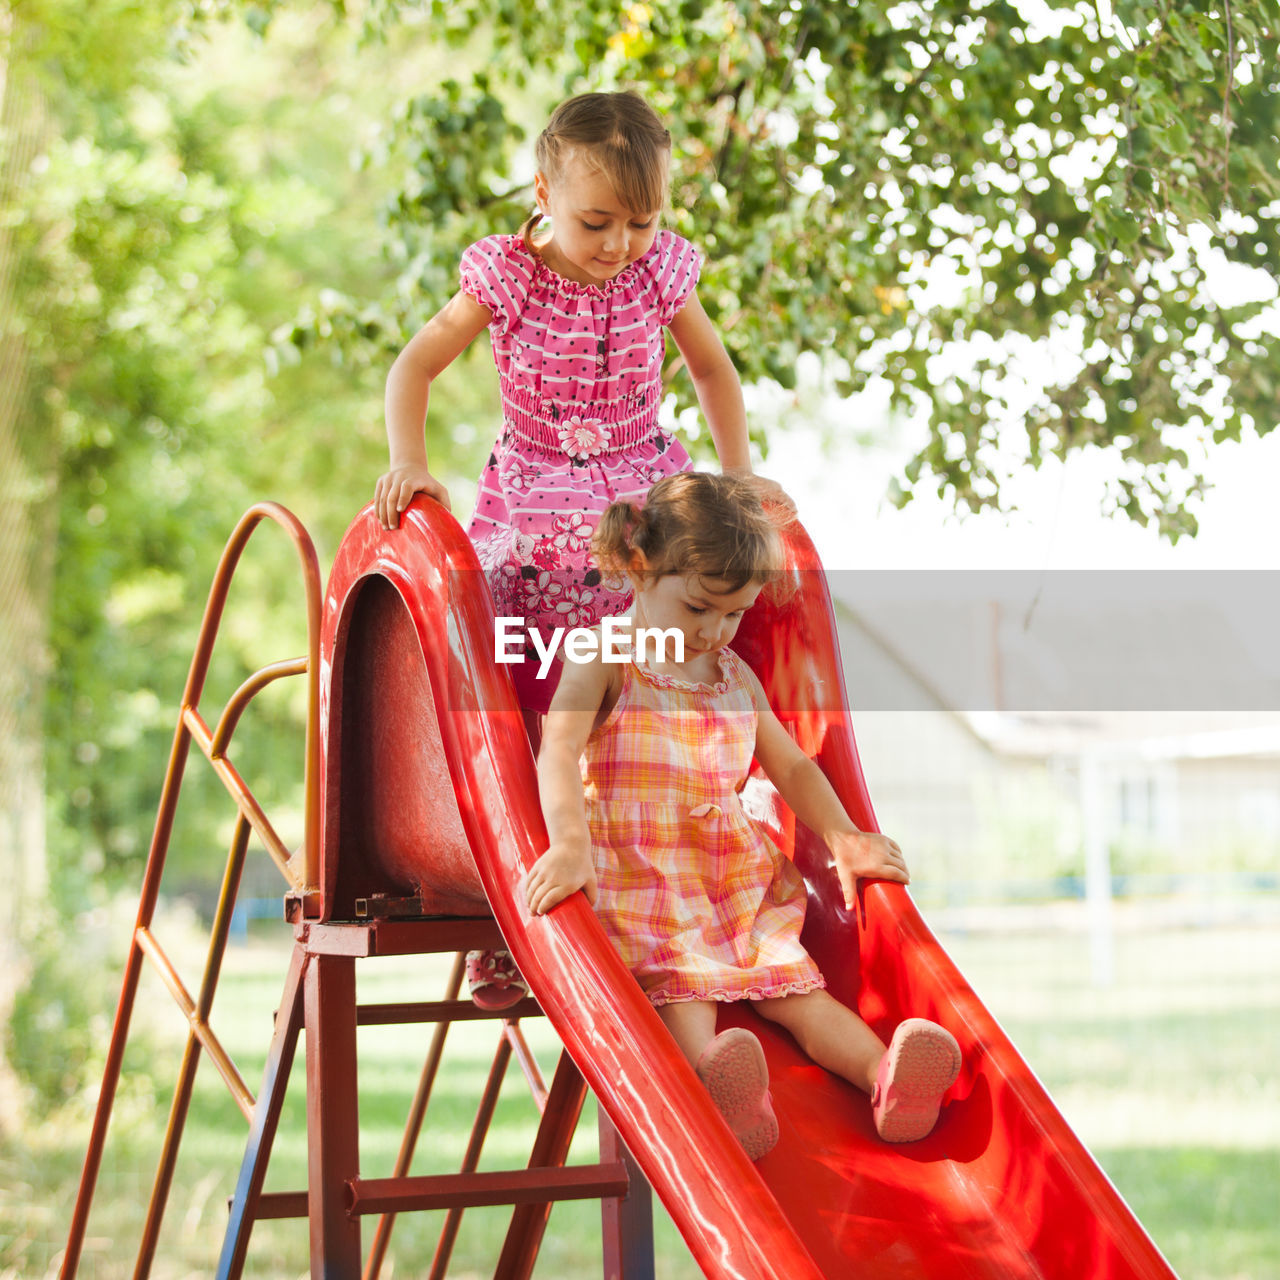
641	769
576	321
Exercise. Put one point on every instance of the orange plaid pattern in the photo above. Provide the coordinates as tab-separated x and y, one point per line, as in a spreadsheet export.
698	901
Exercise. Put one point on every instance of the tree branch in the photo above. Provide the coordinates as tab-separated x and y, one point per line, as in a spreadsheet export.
1227	89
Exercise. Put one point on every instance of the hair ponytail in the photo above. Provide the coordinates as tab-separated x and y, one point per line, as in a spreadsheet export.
615	539
526	231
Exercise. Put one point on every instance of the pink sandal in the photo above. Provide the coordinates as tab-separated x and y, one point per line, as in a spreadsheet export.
921	1064
736	1075
494	981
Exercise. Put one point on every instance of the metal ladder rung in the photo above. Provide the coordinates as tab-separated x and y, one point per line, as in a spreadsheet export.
497	1187
382	1015
462	1190
149	945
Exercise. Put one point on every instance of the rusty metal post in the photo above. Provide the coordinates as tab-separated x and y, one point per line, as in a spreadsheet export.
333	1115
124	1007
471	1158
550	1148
626	1221
191	1055
413	1125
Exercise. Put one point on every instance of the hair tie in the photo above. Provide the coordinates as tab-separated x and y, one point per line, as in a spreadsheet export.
636	521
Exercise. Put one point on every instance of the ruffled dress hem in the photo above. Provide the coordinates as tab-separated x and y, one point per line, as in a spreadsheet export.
723	995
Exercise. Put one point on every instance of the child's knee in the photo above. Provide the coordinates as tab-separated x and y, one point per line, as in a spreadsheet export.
787	1010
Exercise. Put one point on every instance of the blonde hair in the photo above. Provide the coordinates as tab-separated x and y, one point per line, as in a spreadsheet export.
695	524
621	136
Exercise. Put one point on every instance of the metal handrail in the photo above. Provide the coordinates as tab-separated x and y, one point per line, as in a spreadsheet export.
304	880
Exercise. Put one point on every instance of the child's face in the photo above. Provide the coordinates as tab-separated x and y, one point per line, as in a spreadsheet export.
707	616
594	234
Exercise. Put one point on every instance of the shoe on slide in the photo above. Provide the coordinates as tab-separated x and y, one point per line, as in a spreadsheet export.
736	1076
920	1065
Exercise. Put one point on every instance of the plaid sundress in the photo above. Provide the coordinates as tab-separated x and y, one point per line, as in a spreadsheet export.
698	901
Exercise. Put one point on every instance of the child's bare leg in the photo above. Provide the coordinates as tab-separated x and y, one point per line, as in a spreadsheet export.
907	1081
732	1067
692	1024
830	1033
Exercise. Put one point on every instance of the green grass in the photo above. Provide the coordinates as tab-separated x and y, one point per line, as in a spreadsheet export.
1171	1076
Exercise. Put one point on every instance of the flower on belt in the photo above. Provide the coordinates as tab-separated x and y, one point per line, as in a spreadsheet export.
583	437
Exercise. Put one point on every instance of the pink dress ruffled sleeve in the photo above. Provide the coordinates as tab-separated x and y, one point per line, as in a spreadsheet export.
496	278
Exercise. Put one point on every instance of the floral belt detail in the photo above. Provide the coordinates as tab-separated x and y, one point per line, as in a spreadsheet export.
580	437
581	429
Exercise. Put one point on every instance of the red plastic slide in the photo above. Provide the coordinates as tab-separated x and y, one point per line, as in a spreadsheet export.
430	789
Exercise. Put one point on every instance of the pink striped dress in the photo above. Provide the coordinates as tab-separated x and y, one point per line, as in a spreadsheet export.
698	901
580	377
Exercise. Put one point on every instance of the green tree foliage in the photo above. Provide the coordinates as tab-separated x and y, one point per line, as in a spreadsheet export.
949	196
934	195
185	199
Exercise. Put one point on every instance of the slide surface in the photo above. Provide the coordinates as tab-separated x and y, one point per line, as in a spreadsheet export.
413	699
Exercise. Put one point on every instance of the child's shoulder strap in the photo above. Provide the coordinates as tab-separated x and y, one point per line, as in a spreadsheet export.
738	674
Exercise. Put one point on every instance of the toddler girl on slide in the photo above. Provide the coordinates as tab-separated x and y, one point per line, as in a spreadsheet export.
640	773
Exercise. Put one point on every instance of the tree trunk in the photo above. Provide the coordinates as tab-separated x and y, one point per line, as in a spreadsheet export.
26	559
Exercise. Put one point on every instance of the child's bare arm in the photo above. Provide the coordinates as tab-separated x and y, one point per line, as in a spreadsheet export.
813	800
719	391
432	349
716	383
567	864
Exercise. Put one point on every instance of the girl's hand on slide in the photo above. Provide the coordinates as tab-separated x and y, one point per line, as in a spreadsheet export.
866	855
557	874
394	491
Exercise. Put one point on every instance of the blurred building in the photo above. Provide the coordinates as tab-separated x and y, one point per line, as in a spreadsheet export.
1014	726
